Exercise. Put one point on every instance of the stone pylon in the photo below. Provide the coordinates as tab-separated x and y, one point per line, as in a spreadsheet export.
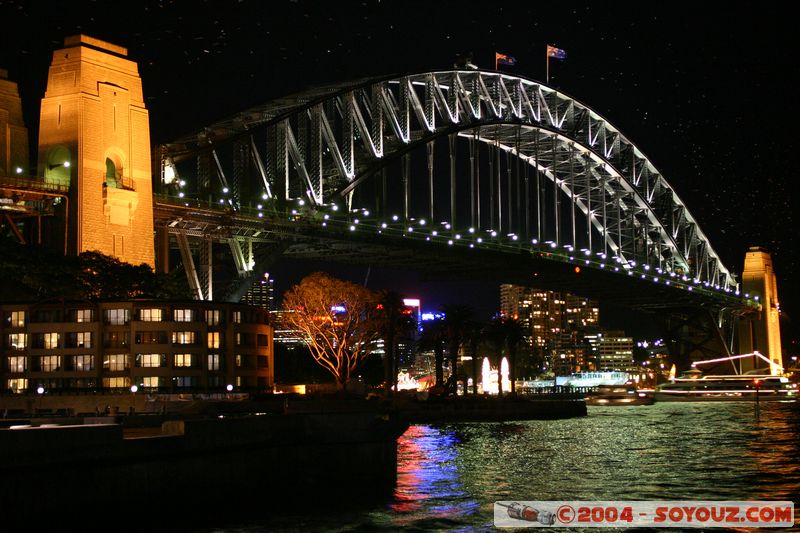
13	133
761	333
94	136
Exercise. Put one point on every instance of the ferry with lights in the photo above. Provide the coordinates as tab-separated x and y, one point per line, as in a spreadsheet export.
758	384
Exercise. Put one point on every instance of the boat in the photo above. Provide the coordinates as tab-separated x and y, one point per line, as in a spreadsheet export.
765	384
626	394
594	379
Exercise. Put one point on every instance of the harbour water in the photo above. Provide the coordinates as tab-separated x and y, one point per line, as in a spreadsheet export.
450	475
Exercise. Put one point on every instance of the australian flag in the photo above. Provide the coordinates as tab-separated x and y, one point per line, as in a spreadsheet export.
502	59
556	53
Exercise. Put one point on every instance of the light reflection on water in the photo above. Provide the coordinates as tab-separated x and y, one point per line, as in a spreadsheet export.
449	476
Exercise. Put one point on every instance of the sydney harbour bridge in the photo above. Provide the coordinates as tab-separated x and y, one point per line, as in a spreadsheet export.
473	174
458	174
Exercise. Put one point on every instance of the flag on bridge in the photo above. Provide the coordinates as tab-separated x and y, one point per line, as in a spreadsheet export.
502	59
556	53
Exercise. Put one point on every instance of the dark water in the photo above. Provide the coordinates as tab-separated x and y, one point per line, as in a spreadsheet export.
449	476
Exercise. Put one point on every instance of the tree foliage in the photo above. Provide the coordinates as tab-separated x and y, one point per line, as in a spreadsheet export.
337	319
29	273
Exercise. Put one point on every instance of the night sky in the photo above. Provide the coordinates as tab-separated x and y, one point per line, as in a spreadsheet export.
706	93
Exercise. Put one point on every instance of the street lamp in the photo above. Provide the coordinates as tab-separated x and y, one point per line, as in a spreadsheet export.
40	392
134	388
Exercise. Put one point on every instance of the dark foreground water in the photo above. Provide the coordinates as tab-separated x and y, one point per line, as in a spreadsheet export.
449	476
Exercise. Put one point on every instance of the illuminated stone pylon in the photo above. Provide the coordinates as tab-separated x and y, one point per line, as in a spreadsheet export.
94	136
762	332
13	133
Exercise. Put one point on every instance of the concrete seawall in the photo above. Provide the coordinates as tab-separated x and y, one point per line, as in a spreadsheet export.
491	409
194	468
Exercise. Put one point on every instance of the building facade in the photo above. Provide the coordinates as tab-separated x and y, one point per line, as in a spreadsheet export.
554	324
615	352
155	345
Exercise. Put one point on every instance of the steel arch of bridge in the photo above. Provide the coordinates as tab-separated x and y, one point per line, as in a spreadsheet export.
320	148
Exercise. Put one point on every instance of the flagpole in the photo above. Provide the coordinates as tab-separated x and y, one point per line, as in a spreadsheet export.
547	62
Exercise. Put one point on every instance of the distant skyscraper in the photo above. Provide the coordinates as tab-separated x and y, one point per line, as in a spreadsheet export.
261	294
553	322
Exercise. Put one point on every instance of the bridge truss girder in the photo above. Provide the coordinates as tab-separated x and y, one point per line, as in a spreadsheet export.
542	166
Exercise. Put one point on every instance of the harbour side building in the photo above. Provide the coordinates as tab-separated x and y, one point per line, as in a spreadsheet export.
158	346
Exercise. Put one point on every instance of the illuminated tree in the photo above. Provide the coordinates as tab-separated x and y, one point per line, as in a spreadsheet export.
336	318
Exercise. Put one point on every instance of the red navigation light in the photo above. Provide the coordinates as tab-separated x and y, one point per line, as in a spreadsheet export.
756	382
379	306
577	270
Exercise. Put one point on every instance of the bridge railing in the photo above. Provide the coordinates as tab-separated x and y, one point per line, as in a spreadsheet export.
34	185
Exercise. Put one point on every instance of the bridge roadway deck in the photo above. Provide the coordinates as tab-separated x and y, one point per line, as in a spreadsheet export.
306	239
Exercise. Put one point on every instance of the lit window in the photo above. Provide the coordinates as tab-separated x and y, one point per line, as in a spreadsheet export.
183	337
117	317
212	317
50	340
116	383
183	360
83	315
149	360
83	363
50	363
17	385
116	362
17	364
150	382
213	361
237	317
17	319
239	361
150	315
182	315
83	339
213	339
17	341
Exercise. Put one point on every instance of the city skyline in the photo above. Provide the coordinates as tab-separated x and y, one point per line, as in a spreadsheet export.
687	106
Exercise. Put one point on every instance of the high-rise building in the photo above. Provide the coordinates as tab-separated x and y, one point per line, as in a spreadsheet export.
261	294
615	352
553	322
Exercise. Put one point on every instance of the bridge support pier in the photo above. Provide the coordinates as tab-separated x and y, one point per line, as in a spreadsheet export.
761	332
693	335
